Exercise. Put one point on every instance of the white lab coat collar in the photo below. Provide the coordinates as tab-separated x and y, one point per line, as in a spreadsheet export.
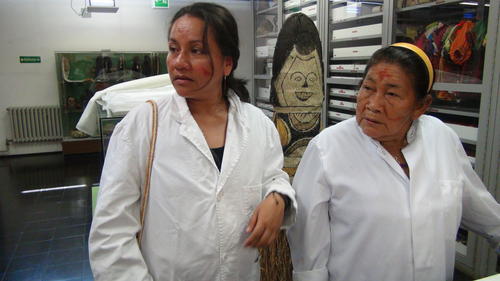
236	134
384	154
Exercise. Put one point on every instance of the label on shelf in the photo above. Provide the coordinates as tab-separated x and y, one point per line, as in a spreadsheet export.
358	31
352	10
338	115
271	42
360	51
343	92
264	93
343	104
310	10
291	3
264	51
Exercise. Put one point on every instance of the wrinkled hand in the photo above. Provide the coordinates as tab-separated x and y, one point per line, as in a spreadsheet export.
266	221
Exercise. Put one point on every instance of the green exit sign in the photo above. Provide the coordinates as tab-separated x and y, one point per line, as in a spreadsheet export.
30	59
160	3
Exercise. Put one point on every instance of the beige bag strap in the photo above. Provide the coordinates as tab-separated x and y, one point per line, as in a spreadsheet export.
149	167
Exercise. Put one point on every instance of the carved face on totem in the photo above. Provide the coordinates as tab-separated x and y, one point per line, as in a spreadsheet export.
299	82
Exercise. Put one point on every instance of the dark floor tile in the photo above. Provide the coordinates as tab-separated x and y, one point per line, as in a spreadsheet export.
67	243
63	272
34	236
74	212
27	262
23	275
77	193
76	230
7	250
87	272
66	256
3	266
8	239
28	249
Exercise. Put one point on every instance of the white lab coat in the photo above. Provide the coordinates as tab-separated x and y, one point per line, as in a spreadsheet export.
361	219
196	217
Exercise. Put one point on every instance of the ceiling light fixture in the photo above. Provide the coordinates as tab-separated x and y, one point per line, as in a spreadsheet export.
102	6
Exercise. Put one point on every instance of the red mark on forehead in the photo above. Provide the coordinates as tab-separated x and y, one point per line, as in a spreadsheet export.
383	73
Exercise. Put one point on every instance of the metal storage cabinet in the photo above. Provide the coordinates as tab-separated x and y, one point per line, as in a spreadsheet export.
463	93
467	98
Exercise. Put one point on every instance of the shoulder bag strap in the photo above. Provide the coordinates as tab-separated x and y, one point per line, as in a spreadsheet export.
149	167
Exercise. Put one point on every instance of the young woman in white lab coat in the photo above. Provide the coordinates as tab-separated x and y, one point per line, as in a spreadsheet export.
217	188
381	196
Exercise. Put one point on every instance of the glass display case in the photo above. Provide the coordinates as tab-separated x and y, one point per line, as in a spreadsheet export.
106	126
82	74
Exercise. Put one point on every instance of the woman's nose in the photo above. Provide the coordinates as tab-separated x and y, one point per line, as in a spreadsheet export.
181	61
375	102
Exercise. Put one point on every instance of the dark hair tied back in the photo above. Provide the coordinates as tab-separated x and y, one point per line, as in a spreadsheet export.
225	30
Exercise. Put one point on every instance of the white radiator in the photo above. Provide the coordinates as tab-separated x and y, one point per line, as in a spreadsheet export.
36	123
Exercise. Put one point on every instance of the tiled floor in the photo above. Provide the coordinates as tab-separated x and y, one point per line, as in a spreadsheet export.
44	235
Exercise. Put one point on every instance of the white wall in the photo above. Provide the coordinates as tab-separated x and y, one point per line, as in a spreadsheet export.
42	27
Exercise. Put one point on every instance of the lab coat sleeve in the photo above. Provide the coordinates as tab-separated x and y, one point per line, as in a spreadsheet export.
113	248
309	238
275	179
481	212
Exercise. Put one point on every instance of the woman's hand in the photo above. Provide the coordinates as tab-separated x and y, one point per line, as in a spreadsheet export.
266	221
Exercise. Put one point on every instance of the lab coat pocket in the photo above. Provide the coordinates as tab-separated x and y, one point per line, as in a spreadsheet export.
451	198
252	196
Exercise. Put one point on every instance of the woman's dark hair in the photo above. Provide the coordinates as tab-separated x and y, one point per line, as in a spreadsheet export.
225	30
299	31
409	61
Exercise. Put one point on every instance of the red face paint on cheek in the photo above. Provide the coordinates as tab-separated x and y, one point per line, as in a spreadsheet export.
382	74
205	71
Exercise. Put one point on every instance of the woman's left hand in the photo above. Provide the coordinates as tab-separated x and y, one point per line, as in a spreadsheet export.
266	221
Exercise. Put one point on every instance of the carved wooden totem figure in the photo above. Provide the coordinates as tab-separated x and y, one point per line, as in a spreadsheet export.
297	87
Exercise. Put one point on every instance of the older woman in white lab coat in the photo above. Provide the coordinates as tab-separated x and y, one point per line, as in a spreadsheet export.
381	196
217	188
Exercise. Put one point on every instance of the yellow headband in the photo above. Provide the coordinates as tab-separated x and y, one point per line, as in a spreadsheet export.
423	56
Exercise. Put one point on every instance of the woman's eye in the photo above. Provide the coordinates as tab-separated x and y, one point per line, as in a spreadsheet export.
367	88
392	94
172	49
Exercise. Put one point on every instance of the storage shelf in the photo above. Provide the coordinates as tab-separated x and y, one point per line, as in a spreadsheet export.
301	5
261	99
454	112
428	5
374	15
467	88
347	71
467	134
350	58
344	81
269	35
338	115
262	77
375	36
269	11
